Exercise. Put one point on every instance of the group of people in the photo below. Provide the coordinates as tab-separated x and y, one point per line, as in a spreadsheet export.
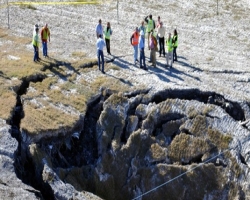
45	37
100	44
156	42
155	37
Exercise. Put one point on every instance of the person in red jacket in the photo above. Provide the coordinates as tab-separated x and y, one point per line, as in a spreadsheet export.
45	36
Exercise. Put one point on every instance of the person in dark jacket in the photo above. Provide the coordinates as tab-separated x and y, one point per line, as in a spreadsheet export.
175	45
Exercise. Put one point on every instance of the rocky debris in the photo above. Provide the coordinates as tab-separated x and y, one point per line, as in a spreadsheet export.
199	137
11	187
64	191
131	143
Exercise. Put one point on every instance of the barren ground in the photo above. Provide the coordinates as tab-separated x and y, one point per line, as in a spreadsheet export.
213	52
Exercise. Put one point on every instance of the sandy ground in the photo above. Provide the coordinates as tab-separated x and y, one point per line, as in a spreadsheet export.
213	52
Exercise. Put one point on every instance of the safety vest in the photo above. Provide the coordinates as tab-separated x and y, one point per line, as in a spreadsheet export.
135	39
107	33
169	45
150	25
175	38
45	33
35	40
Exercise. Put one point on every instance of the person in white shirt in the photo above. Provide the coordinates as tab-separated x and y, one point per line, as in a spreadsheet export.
141	48
100	44
161	34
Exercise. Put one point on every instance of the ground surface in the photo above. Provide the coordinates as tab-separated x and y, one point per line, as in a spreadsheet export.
213	52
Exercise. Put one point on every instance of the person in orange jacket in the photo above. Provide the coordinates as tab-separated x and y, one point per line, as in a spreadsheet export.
45	36
134	40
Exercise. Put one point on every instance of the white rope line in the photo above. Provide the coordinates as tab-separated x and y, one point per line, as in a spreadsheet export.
181	174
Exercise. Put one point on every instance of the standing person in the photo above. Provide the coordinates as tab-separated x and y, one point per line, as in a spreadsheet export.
158	22
150	26
35	27
45	35
141	48
153	49
175	45
34	33
35	43
107	33
134	40
169	44
99	29
142	28
100	44
161	34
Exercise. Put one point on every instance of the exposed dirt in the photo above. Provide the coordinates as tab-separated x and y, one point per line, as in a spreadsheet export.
213	52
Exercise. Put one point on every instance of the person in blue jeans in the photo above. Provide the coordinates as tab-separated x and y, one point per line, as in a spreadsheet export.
134	40
141	48
35	43
45	36
100	44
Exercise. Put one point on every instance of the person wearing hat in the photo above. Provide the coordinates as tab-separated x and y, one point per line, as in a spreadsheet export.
35	27
35	43
161	33
141	48
34	33
134	40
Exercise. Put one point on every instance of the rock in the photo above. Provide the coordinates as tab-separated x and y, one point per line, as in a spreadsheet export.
11	187
63	190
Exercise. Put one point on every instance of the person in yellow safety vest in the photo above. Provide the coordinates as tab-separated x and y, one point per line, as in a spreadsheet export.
169	45
34	32
175	45
134	40
150	26
107	33
45	35
35	43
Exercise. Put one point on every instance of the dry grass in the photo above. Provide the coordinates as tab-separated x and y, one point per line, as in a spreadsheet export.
48	118
29	6
17	62
7	102
60	85
111	83
79	54
199	127
220	140
185	147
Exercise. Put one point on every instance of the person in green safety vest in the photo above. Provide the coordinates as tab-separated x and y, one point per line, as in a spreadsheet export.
169	45
107	34
35	43
175	45
150	26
